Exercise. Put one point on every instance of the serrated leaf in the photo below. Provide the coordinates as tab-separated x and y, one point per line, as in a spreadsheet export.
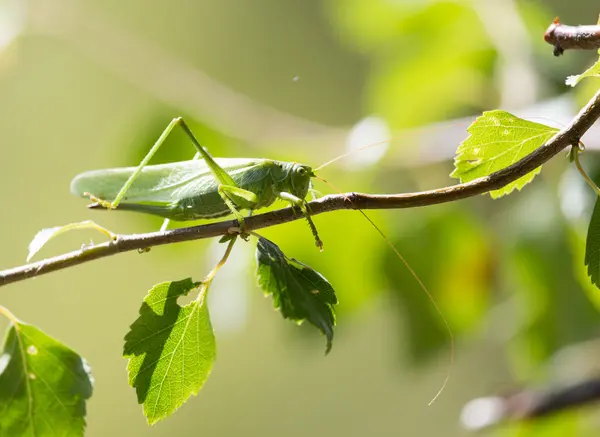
499	139
298	291
45	235
171	349
594	70
592	246
43	385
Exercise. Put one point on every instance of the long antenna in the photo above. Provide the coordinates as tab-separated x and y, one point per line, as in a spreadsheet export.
399	255
414	275
331	161
412	131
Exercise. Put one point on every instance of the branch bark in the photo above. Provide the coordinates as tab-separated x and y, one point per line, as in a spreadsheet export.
483	413
125	243
564	37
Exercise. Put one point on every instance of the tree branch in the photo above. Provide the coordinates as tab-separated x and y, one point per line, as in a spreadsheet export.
564	37
125	243
483	413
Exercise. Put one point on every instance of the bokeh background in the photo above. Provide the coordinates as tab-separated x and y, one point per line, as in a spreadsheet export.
90	84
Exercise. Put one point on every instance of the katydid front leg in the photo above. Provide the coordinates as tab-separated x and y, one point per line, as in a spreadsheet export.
300	203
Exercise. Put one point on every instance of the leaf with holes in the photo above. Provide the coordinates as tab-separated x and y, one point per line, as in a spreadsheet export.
298	291
171	349
43	385
499	139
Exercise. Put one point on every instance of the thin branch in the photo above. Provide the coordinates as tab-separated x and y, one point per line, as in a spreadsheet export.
125	243
483	413
564	37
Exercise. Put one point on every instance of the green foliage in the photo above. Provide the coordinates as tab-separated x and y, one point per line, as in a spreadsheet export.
551	315
399	34
43	385
419	62
171	349
499	139
560	424
592	246
47	234
298	291
594	70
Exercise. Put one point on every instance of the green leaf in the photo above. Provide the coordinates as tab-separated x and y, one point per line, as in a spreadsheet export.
43	385
298	291
499	139
171	349
592	246
594	70
45	235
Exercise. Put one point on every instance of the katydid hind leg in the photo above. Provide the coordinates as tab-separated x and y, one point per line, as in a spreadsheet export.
301	203
229	191
220	175
159	142
234	196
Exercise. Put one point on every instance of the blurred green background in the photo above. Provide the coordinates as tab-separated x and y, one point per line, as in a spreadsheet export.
90	84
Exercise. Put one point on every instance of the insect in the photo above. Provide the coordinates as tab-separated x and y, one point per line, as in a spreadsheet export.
211	188
202	188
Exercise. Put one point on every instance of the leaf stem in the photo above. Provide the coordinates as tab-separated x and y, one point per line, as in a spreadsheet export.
10	316
211	275
576	151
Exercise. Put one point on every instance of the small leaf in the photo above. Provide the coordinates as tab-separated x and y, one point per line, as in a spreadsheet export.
227	238
298	291
499	139
594	70
592	246
43	385
45	235
171	349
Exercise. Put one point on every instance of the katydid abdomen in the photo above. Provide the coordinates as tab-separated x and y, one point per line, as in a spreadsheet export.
188	190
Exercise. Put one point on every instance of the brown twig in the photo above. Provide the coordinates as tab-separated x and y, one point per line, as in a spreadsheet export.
483	413
125	243
564	37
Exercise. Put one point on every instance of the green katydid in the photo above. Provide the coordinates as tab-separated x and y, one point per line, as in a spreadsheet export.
210	188
200	188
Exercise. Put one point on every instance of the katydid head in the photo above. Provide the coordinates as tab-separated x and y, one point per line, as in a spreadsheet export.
293	178
300	176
